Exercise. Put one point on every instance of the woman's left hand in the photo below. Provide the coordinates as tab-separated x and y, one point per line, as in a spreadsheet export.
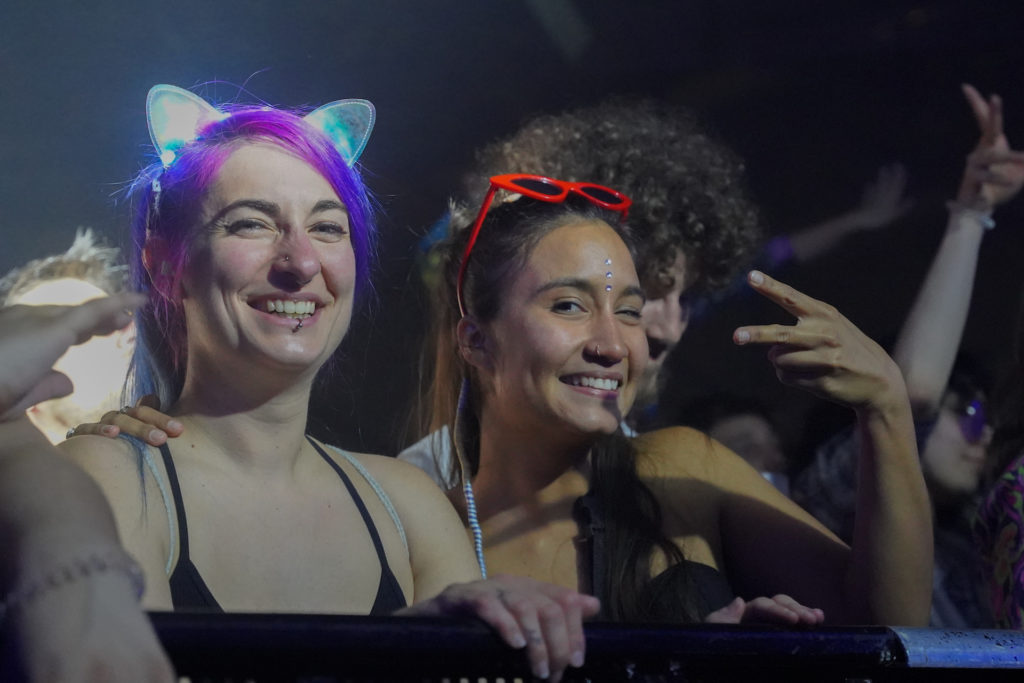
780	609
824	352
545	619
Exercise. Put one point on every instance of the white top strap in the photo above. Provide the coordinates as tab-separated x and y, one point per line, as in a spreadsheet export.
385	501
172	522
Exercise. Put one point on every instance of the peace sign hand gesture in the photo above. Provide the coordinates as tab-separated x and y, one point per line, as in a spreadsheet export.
824	353
994	173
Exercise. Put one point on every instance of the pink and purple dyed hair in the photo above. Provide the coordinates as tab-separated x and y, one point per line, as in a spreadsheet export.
171	215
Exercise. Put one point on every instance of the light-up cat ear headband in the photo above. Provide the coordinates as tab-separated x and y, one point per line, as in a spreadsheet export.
176	116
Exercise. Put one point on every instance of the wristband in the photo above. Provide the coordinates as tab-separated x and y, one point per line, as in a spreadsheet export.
75	570
982	217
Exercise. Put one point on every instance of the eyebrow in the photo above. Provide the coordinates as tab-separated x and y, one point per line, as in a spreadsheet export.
273	209
587	286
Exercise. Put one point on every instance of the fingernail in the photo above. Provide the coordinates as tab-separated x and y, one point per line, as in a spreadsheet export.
577	659
542	671
108	430
742	337
157	435
518	642
174	424
757	277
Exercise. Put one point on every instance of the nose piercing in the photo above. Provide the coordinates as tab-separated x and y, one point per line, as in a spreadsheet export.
597	349
287	258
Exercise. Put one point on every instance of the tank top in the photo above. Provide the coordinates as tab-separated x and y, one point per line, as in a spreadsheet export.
189	591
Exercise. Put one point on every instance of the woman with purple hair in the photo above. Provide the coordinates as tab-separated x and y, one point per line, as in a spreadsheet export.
254	239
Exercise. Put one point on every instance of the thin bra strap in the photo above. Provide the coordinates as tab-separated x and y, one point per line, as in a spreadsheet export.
367	519
150	463
172	479
384	499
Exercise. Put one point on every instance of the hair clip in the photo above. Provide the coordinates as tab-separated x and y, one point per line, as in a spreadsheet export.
176	116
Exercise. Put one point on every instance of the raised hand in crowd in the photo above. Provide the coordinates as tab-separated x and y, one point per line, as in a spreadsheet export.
70	592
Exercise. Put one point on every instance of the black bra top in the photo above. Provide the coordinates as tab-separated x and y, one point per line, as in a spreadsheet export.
190	593
707	587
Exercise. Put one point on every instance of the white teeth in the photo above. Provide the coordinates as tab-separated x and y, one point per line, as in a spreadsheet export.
595	383
291	309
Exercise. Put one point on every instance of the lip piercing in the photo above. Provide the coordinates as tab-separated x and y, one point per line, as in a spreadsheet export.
297	327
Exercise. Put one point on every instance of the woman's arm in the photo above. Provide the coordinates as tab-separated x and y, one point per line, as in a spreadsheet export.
886	577
545	619
931	334
68	589
141	520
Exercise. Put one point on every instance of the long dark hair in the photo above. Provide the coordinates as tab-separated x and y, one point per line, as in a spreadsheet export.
632	521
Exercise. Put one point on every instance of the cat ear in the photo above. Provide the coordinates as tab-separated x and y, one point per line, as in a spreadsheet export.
175	118
347	123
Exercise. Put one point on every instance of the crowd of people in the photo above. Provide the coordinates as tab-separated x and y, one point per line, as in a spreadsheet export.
544	490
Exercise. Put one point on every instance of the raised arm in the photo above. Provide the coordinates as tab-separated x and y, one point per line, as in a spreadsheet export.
886	577
69	588
931	334
884	202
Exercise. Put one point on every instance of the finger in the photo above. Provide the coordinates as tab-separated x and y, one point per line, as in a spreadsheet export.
52	385
789	337
766	609
807	615
142	423
526	616
554	621
158	419
995	126
102	316
988	157
979	107
95	428
573	609
793	301
730	614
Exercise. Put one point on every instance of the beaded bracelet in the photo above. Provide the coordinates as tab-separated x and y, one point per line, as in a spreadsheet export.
78	568
981	216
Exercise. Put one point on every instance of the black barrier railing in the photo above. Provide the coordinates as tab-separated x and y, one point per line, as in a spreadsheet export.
327	649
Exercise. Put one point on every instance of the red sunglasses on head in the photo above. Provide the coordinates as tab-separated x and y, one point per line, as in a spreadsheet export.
545	190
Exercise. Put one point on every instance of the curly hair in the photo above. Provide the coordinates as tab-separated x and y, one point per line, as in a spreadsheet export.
87	259
688	189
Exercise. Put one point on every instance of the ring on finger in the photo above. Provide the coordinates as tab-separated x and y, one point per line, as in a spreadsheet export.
124	410
70	433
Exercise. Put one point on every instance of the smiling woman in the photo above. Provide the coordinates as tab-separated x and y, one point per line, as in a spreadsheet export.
538	353
254	239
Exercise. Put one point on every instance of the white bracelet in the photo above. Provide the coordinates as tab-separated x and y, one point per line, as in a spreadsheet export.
982	217
76	569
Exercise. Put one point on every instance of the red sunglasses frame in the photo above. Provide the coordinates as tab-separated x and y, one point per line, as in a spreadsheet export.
508	182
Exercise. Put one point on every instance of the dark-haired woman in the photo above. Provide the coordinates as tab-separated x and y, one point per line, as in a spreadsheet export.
538	350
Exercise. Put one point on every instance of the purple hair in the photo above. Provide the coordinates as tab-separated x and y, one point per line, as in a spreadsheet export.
168	202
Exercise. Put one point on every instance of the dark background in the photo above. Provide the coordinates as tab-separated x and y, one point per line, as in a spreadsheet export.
814	95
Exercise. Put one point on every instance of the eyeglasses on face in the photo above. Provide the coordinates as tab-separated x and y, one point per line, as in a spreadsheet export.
543	189
973	420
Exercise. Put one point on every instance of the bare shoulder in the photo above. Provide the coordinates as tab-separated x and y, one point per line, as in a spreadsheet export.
676	452
136	499
410	490
108	460
688	471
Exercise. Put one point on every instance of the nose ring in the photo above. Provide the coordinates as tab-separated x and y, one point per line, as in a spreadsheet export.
597	349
